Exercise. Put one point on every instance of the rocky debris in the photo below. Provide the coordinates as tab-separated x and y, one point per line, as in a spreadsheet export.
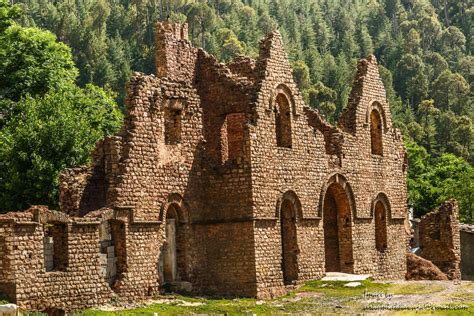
8	310
422	269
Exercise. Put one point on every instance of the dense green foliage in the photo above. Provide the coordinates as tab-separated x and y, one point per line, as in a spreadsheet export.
47	122
423	46
32	62
434	180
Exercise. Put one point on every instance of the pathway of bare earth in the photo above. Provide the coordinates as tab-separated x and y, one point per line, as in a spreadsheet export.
322	298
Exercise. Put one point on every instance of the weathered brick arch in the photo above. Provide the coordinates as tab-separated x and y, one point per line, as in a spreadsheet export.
176	200
380	213
383	198
337	208
377	122
291	197
376	105
282	89
289	212
173	253
343	182
284	108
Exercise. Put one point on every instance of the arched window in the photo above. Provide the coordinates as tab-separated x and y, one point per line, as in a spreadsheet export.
376	132
283	121
380	226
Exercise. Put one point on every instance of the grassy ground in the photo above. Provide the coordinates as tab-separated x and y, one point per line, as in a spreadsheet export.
321	297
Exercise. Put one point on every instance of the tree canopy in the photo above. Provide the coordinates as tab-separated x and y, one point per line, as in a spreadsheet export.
47	122
424	48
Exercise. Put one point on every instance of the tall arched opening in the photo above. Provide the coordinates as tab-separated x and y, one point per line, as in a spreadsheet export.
289	242
283	121
173	247
376	133
337	222
380	215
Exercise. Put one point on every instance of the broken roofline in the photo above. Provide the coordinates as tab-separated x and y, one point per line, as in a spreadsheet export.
248	75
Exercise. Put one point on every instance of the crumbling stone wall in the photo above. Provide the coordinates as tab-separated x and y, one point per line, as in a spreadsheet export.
439	239
230	155
77	285
467	251
7	280
85	189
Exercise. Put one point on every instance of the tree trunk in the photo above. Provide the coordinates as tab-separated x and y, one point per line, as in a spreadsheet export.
446	15
203	41
161	10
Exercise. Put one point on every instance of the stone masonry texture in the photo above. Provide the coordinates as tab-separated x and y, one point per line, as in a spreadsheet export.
467	251
439	239
221	182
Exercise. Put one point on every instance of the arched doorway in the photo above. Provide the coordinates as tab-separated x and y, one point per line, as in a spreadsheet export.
171	245
289	242
337	224
380	215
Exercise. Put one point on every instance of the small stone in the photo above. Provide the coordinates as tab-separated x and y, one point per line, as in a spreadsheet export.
352	284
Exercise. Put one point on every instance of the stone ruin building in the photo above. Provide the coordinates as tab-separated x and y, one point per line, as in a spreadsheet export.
221	182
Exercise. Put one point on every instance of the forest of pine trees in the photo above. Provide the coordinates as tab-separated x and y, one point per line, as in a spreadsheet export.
424	49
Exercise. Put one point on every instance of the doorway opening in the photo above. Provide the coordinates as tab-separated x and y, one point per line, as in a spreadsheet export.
337	223
289	242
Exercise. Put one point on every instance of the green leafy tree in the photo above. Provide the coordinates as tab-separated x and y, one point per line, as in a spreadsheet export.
32	62
365	41
7	14
432	182
323	99
53	132
201	18
466	68
450	92
230	44
435	65
51	123
301	75
427	114
410	79
412	42
453	42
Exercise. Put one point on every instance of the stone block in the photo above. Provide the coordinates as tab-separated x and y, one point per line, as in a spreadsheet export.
110	252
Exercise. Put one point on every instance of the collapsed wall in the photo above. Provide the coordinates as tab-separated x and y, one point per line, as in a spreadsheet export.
50	260
439	239
467	252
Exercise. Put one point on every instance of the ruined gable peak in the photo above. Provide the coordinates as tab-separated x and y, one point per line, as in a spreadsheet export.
368	92
271	44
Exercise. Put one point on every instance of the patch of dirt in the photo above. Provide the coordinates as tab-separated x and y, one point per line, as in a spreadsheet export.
309	294
422	269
